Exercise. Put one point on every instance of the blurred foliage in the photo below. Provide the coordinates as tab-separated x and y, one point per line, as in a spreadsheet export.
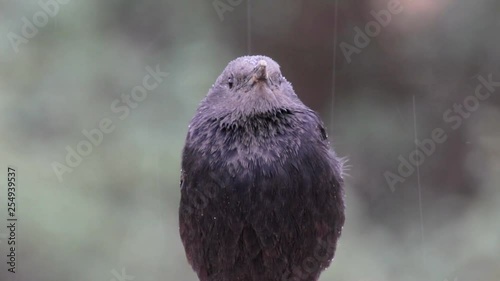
118	208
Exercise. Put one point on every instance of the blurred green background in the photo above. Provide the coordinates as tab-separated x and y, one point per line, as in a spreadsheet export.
117	209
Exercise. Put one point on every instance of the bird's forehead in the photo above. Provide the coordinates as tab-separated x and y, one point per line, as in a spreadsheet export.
245	65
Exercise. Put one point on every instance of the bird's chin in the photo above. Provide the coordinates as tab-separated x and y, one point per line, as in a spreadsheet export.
265	94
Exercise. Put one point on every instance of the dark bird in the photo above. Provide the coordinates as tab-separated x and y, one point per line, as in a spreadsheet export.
261	191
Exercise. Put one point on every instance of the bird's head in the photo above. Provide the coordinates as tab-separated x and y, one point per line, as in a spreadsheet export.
251	85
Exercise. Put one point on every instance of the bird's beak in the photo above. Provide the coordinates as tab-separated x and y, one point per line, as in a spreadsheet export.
260	72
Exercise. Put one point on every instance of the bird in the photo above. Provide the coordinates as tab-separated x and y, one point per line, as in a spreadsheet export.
262	191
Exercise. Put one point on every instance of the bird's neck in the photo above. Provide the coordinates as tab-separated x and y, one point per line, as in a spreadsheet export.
258	124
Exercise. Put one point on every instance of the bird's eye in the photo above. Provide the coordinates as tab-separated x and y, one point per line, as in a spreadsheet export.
230	82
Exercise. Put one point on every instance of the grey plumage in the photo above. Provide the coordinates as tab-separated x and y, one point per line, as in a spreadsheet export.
261	190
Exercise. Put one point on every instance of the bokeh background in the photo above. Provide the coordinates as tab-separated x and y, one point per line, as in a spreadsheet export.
117	210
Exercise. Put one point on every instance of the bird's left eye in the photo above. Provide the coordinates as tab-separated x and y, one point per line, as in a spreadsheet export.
230	82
